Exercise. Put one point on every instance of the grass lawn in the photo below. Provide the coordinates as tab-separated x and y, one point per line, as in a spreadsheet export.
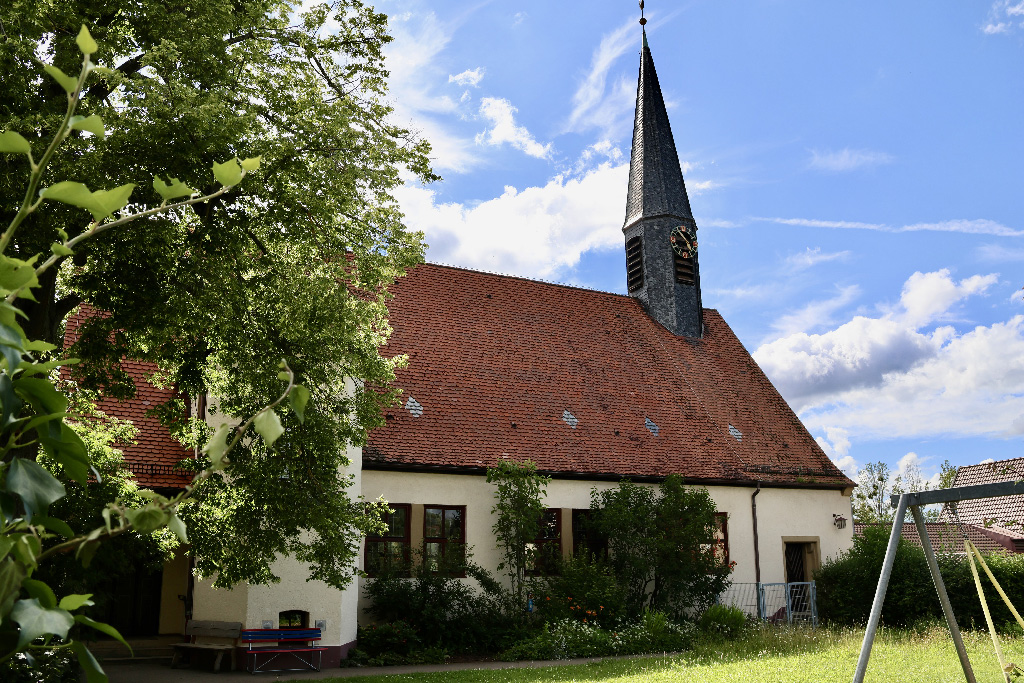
820	656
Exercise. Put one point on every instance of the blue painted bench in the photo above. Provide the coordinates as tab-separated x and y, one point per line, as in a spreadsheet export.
282	646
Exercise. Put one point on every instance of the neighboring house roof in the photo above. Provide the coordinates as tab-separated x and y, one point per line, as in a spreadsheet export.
155	453
582	382
1003	515
947	538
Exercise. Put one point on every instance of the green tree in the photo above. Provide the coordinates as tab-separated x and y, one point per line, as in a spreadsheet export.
662	545
871	496
518	511
295	265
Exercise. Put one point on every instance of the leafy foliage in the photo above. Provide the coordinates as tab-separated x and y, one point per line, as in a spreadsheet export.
518	513
661	545
445	610
37	429
584	588
216	291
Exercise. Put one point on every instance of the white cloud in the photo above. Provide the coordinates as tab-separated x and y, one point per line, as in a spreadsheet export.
533	232
813	256
836	444
815	314
501	115
595	105
1002	16
413	59
997	252
468	78
847	159
927	297
980	226
889	377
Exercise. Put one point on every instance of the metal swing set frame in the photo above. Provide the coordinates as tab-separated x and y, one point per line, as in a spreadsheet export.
913	502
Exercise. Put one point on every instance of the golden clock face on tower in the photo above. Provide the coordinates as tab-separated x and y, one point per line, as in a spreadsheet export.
684	241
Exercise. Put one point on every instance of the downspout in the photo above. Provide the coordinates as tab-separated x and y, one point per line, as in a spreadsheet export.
757	554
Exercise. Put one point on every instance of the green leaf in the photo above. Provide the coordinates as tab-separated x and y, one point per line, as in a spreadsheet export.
67	82
36	487
41	592
217	446
67	449
268	425
251	164
15	273
100	203
26	549
85	42
73	602
86	660
57	526
41	346
6	543
178	527
10	404
92	124
298	399
60	250
41	394
36	620
113	200
13	143
172	190
229	173
11	575
146	519
103	628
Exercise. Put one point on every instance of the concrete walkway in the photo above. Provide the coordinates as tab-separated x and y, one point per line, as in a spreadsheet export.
160	671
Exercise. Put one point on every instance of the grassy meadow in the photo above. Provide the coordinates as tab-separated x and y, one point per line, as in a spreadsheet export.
766	656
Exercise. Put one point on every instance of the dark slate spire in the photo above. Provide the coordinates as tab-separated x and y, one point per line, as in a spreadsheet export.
655	179
661	272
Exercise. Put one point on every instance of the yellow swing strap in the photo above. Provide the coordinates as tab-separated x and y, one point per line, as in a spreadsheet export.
972	553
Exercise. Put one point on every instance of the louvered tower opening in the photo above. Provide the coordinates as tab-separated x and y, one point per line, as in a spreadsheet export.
634	264
684	270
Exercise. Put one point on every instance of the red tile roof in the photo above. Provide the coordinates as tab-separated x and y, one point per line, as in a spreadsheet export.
496	362
154	455
1003	515
945	537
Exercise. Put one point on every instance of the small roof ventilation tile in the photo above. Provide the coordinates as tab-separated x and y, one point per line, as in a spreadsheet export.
414	407
569	418
737	434
651	427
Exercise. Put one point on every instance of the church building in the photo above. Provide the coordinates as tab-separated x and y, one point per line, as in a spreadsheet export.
593	387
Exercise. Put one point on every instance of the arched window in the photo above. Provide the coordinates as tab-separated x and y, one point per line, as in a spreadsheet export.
634	263
293	618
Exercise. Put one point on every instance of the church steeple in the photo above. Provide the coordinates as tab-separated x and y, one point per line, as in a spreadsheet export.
661	235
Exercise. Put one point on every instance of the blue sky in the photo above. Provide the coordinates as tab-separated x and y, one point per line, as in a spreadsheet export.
855	170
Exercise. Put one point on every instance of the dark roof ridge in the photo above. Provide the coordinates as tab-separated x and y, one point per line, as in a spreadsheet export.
523	278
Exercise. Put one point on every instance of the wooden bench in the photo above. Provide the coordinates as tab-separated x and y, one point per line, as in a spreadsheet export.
223	630
296	644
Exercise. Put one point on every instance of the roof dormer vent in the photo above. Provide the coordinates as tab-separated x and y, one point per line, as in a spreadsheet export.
414	407
651	427
569	418
736	434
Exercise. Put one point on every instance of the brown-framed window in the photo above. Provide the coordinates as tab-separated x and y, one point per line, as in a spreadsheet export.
389	552
721	548
586	540
543	553
444	537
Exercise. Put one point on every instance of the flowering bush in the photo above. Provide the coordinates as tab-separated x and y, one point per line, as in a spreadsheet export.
568	638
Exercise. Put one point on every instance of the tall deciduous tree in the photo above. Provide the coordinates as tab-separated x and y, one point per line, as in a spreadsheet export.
293	265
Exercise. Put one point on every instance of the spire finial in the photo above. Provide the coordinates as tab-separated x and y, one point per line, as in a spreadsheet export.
643	20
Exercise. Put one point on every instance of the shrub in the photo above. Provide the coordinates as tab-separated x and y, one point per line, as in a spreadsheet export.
446	610
654	633
723	621
584	589
395	637
846	585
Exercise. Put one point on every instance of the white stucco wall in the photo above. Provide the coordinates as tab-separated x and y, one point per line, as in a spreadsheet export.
796	514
